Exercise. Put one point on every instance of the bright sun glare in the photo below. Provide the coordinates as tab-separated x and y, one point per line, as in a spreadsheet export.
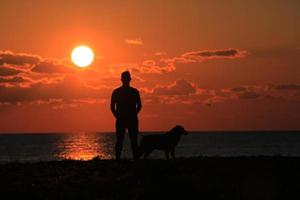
82	56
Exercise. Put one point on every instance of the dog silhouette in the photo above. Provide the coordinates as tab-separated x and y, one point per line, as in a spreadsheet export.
163	142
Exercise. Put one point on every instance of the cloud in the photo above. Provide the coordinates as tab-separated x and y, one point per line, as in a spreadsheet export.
179	92
9	71
291	87
136	41
162	64
40	79
50	66
239	89
167	65
270	92
199	56
10	58
249	95
179	87
156	67
14	63
185	92
216	53
161	53
16	79
70	88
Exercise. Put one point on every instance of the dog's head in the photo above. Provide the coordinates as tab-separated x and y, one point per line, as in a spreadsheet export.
179	130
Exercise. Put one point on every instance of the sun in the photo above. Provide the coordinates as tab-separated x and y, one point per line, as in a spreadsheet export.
82	56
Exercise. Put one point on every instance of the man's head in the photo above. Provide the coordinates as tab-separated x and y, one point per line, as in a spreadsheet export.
125	78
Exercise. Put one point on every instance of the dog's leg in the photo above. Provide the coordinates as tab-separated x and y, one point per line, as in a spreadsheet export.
173	154
147	153
167	155
140	152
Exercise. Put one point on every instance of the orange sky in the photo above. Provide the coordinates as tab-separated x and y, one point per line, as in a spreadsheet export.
208	65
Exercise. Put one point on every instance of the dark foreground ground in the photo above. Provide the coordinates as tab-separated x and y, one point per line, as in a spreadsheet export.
193	178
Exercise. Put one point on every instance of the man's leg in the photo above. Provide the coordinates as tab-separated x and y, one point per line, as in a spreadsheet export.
120	133
133	131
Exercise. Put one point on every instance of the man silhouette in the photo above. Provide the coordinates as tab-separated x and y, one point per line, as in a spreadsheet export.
125	106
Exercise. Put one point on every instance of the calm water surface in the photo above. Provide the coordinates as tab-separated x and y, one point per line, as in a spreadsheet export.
85	146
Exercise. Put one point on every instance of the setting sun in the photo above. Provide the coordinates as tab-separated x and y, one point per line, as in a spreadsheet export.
82	56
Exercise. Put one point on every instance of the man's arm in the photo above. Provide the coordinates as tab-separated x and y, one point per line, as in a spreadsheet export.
113	105
138	103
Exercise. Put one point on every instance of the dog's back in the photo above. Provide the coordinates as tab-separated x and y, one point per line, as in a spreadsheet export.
160	142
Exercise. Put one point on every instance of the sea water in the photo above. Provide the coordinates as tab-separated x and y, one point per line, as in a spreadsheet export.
85	146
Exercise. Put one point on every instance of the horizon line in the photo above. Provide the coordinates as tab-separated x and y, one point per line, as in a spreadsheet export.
147	131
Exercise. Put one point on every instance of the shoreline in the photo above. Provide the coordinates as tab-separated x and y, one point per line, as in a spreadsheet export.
162	159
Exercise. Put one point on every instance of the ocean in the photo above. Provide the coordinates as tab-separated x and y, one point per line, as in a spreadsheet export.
85	146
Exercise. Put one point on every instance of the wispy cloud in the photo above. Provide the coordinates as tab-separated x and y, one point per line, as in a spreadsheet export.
179	87
161	53
50	66
10	58
166	65
15	79
69	88
9	71
293	87
199	56
135	41
160	66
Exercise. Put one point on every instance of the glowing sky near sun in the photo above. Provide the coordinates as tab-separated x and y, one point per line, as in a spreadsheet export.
208	65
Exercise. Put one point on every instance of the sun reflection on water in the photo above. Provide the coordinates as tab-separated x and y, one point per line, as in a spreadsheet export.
85	146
